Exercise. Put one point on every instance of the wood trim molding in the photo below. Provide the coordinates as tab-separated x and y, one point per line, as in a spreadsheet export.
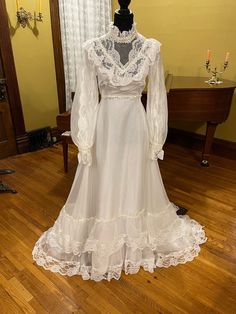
11	82
58	54
193	140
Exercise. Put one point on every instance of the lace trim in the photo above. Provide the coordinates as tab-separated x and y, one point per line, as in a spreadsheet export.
130	267
144	241
95	219
114	56
156	151
141	56
124	36
85	156
122	96
92	226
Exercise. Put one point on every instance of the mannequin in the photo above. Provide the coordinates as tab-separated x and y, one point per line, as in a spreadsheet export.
123	18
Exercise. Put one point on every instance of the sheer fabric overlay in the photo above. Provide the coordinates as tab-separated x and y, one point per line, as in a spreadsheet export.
117	215
102	56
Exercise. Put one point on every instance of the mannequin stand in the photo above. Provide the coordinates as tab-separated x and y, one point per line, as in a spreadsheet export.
3	187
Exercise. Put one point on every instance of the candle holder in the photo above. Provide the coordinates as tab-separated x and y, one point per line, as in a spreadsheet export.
23	17
215	78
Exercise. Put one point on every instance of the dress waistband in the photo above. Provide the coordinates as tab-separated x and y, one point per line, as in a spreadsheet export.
121	96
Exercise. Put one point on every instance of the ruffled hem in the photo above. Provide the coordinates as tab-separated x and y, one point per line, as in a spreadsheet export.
75	235
71	268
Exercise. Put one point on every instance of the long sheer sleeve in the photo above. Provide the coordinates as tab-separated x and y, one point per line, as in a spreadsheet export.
156	109
84	108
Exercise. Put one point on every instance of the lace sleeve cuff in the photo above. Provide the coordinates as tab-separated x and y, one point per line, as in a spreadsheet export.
85	156
156	152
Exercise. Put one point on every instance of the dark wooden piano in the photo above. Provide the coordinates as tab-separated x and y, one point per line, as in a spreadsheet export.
189	99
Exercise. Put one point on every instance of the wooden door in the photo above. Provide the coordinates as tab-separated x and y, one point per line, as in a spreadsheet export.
7	135
11	112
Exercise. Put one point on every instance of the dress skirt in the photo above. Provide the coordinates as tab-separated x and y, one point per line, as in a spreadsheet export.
117	215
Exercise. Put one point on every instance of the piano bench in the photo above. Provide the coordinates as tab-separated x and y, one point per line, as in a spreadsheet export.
66	139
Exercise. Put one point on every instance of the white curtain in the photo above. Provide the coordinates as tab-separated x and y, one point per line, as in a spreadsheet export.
80	20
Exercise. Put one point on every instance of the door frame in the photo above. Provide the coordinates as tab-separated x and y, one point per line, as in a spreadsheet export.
21	136
58	54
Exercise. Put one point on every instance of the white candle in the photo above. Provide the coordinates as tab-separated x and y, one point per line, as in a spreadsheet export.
208	54
40	6
227	57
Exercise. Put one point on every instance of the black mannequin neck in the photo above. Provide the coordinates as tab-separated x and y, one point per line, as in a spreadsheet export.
123	18
123	22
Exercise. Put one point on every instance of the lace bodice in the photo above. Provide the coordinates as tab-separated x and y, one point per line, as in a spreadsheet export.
117	64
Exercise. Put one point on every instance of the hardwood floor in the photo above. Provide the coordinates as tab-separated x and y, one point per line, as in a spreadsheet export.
205	285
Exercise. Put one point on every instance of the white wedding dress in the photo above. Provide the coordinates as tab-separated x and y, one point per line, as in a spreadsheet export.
117	215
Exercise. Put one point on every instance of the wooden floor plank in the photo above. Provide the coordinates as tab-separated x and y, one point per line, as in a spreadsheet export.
7	303
16	295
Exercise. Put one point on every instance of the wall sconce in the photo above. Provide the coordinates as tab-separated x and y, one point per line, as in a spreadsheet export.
23	17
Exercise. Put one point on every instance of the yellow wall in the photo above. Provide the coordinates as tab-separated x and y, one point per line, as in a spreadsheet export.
186	29
34	60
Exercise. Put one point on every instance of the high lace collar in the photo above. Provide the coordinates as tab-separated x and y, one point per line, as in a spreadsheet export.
125	36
